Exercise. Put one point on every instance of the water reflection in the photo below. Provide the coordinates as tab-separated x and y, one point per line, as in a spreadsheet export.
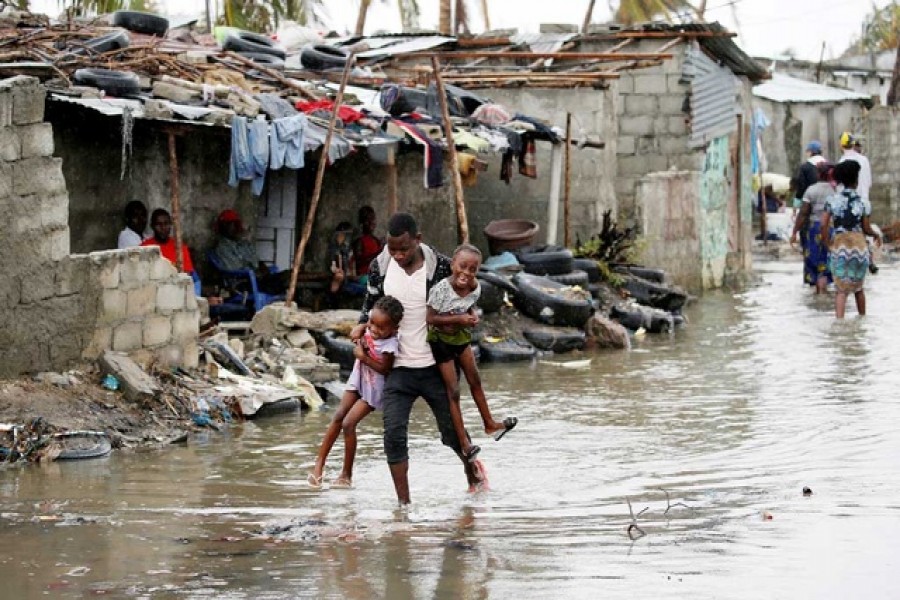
708	432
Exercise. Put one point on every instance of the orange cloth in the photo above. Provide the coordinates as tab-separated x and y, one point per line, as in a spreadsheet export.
167	249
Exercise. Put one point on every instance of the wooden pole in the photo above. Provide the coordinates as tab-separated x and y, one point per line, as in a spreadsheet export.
587	17
520	54
451	147
317	190
393	200
556	166
567	233
176	202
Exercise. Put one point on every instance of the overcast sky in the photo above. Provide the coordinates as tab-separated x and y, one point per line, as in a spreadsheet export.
766	27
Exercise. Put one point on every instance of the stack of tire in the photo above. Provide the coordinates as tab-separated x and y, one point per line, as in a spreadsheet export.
655	306
261	49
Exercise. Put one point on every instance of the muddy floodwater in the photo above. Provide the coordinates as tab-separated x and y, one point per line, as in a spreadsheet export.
763	394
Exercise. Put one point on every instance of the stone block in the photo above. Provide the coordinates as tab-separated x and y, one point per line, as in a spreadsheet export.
671	104
59	244
113	306
637	105
28	221
190	355
6	184
190	299
675	85
28	103
626	84
134	271
36	140
170	297
160	268
157	331
54	212
127	336
636	125
108	275
635	166
101	341
37	286
648	144
625	145
185	326
6	107
649	83
38	175
677	126
10	147
141	301
669	145
71	276
170	356
137	386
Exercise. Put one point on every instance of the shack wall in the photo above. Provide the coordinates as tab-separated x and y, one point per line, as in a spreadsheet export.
61	309
881	128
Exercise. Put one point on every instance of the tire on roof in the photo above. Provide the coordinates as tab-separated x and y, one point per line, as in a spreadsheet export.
319	57
247	41
141	22
115	83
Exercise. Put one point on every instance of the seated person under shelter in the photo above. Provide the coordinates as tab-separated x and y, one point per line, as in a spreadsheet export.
161	224
135	225
235	253
342	265
367	246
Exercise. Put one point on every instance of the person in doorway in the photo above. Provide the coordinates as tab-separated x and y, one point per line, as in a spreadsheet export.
367	246
809	224
408	269
161	224
135	225
451	317
849	254
374	353
341	266
236	253
770	200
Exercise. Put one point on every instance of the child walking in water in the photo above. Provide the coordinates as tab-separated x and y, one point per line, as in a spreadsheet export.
451	317
374	354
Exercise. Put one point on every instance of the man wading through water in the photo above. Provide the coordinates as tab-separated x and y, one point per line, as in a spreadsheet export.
406	269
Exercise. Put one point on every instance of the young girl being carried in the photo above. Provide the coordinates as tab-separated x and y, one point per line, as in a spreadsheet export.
374	358
451	317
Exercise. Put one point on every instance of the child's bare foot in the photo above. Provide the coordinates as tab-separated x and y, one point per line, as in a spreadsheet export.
498	430
314	481
479	481
342	482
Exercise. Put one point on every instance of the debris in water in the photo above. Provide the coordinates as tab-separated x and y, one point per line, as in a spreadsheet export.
807	491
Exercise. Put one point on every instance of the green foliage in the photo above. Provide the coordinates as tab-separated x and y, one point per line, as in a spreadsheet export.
100	7
637	11
881	31
611	245
265	16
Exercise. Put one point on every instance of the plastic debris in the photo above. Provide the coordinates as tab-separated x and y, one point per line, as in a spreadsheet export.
110	382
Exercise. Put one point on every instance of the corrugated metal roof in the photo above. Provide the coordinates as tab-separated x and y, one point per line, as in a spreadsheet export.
784	88
714	98
542	42
403	46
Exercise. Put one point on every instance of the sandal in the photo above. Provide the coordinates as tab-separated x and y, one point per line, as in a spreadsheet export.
472	454
314	482
341	483
509	424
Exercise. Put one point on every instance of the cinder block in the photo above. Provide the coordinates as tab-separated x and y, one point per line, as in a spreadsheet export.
71	276
636	125
671	145
170	356
677	126
185	326
38	175
37	286
35	140
127	336
6	107
6	181
625	145
641	105
634	166
648	83
114	306
109	273
28	103
142	301
100	341
157	331
10	147
54	212
170	297
626	84
671	104
59	244
675	85
134	271
190	299
160	268
29	221
190	355
648	144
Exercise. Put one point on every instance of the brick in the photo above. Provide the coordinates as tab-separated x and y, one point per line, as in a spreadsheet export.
35	140
137	386
673	145
141	301
29	221
633	165
114	306
185	326
10	147
170	297
54	212
637	105
160	268
645	83
157	331
127	336
27	104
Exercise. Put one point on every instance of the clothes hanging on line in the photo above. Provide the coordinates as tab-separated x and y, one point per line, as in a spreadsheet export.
286	142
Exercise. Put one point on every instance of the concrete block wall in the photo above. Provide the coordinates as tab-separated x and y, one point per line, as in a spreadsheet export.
61	309
881	126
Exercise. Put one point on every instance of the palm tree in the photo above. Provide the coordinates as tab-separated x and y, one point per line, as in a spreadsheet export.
99	7
265	15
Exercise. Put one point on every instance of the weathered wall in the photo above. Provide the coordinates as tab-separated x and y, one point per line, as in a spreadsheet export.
673	232
90	145
715	191
803	122
60	309
881	127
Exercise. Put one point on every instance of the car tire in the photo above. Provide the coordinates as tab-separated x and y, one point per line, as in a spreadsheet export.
320	57
279	407
589	266
576	277
547	261
338	349
534	300
115	83
141	22
491	298
247	41
82	444
506	351
264	60
555	339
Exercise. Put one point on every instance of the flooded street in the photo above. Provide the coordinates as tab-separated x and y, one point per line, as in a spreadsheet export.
762	394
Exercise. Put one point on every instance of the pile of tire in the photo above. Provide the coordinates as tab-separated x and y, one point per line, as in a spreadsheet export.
322	57
338	349
261	49
495	289
549	271
655	305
